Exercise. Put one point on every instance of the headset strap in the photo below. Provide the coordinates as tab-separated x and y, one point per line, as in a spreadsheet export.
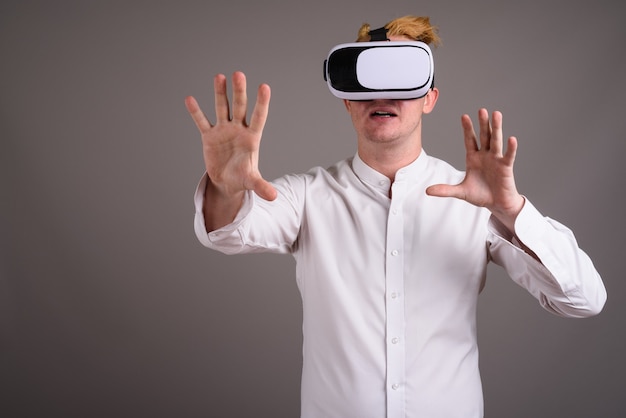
379	34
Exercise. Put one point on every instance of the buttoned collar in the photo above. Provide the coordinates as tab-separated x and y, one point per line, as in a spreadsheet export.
382	183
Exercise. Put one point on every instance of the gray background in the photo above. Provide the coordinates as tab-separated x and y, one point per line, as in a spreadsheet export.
110	307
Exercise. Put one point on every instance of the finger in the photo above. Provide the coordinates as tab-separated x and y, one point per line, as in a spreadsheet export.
197	115
261	109
511	151
240	98
496	133
222	111
468	134
485	129
446	190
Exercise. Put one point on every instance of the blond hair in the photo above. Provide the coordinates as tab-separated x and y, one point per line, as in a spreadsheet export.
417	28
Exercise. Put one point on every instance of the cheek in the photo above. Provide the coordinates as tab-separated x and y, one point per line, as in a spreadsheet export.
357	113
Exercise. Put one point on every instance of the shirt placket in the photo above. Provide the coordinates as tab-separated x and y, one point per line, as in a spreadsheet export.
394	306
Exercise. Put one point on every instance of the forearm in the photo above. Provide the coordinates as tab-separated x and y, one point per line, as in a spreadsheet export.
258	225
561	276
219	208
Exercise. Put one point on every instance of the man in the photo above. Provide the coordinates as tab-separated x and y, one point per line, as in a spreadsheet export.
389	267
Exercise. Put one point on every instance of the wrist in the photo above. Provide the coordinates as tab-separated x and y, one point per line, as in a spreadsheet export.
508	215
219	190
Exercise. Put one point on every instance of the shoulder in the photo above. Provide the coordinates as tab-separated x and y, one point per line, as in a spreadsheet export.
332	173
318	176
442	170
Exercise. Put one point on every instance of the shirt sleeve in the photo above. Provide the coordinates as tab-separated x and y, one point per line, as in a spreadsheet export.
562	277
260	225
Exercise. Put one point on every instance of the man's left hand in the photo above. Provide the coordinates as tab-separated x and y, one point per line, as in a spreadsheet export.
489	180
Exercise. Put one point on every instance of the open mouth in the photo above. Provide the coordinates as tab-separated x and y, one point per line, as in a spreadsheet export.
383	114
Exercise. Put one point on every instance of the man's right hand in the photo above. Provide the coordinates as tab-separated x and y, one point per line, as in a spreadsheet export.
231	149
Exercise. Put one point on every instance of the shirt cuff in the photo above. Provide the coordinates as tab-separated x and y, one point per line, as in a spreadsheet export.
529	227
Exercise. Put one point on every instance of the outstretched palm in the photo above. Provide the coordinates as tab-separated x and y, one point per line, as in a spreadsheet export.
231	145
489	180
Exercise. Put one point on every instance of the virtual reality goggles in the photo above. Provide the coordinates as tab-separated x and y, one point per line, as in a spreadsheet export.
379	70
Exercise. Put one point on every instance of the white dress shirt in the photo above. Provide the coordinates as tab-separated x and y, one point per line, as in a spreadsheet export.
390	285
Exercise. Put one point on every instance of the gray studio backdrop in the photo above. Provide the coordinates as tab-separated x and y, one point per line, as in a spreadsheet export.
110	308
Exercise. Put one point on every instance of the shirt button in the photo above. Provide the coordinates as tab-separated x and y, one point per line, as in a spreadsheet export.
394	253
395	386
394	295
394	341
394	211
382	182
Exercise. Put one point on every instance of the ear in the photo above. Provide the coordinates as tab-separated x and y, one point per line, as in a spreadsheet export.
430	100
346	103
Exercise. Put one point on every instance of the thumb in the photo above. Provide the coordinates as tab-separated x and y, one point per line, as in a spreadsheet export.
264	189
445	190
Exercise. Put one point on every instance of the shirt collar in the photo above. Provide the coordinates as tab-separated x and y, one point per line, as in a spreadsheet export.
381	182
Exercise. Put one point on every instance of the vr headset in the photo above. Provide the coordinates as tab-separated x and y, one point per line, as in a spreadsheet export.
379	70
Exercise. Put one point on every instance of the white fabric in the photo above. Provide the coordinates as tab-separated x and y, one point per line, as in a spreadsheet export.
390	285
